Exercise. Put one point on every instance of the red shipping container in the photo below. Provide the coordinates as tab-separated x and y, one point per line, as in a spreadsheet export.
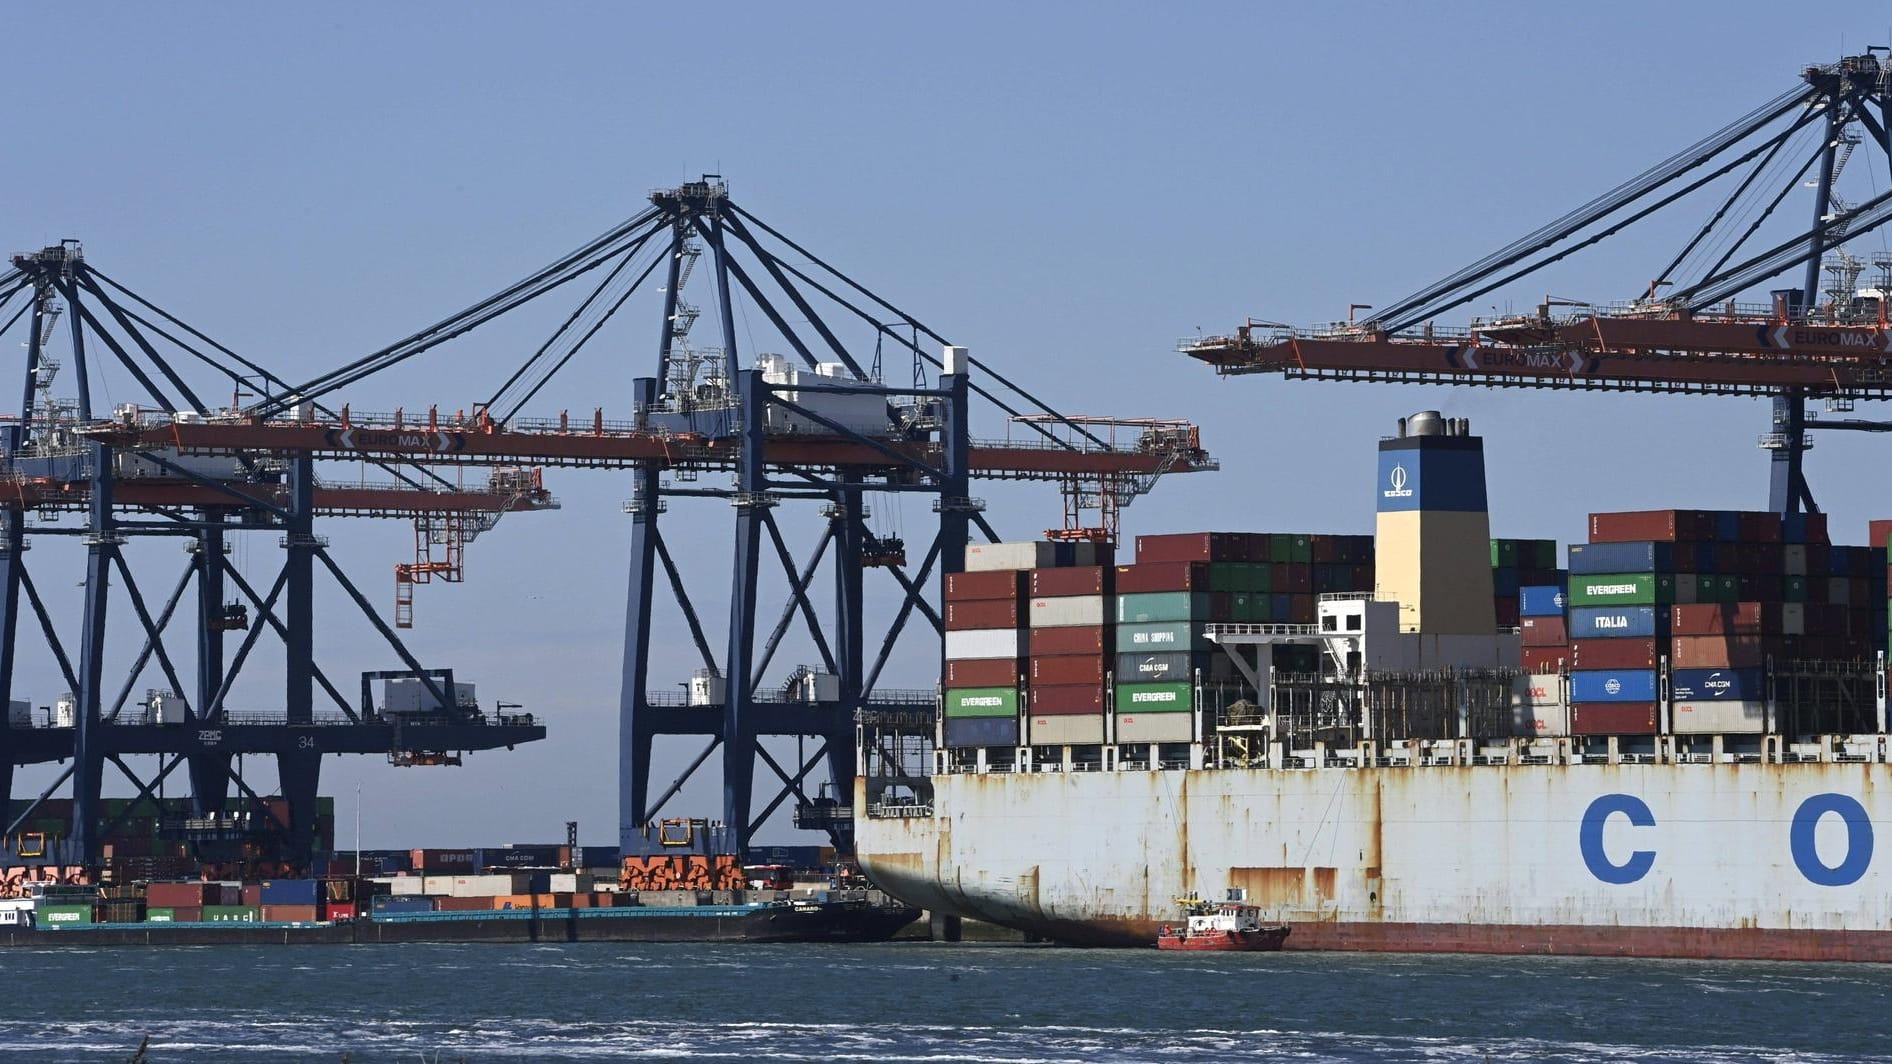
1049	642
1545	659
341	910
1717	652
1613	718
984	587
1067	669
186	914
1669	526
1064	701
1192	547
1324	550
252	894
1816	529
1543	631
183	895
1077	580
992	672
1303	609
1162	576
1877	532
1295	578
1506	607
964	616
1720	618
1613	654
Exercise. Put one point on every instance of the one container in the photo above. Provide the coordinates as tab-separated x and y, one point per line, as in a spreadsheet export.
1176	636
1718	685
982	731
290	914
1543	631
1192	547
1544	659
1717	652
1613	718
1068	729
1592	558
1613	685
967	616
1717	618
228	914
985	643
1164	576
1067	669
1538	706
1622	589
62	915
982	702
1617	622
1085	611
1718	718
1670	525
1078	639
985	586
1155	727
983	672
1162	607
1541	601
289	892
1065	700
1053	583
1156	668
1155	697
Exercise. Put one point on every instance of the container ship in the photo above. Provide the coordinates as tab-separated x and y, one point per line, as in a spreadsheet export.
1674	744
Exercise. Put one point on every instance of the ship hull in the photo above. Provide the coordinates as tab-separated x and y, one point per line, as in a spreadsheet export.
1775	861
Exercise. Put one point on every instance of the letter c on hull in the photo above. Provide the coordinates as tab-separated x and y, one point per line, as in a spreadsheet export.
1590	838
1858	840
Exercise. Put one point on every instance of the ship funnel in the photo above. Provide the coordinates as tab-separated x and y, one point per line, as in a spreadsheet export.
1432	534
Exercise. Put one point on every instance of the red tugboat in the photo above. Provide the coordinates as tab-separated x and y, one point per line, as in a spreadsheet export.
1231	926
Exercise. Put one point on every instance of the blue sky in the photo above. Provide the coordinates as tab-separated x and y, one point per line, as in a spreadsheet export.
1064	188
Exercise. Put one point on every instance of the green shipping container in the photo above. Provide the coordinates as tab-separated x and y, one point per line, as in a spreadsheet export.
1155	698
1225	576
1726	589
1162	606
160	916
1504	553
1260	577
1167	637
232	914
1300	550
62	915
1622	589
982	702
1794	589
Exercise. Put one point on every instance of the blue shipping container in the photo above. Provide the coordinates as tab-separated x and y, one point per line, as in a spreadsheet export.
1618	622
289	892
403	903
1718	685
1540	601
1504	582
982	731
1613	685
1592	559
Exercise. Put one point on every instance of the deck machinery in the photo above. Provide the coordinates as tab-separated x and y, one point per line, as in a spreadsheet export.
820	427
1685	331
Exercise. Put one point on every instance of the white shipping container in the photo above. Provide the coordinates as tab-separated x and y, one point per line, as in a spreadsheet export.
570	882
1687	589
1061	730
1069	611
1539	706
1156	727
1793	618
409	694
992	557
1794	557
406	885
976	644
1718	718
1839	591
490	886
439	886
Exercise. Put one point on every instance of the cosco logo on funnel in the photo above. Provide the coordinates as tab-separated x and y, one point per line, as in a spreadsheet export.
1398	479
1854	859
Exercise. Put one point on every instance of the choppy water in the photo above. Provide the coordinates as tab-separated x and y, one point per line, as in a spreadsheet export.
921	1002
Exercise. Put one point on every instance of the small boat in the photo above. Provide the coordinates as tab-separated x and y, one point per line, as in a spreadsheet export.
1230	926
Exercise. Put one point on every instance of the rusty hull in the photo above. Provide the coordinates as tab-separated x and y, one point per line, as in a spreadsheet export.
1482	859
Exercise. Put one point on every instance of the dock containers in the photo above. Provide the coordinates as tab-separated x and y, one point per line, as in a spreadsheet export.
984	665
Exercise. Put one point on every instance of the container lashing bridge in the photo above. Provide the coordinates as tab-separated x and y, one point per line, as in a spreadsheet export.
112	478
816	429
1684	331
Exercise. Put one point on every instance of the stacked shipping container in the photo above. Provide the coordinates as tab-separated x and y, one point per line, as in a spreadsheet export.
1515	565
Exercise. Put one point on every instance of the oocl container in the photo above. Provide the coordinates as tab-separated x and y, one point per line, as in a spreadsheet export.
1718	718
1070	611
1059	730
985	643
1155	727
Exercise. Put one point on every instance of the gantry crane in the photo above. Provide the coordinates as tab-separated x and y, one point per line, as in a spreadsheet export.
1689	332
817	425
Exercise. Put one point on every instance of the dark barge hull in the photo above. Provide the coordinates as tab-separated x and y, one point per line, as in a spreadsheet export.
844	922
